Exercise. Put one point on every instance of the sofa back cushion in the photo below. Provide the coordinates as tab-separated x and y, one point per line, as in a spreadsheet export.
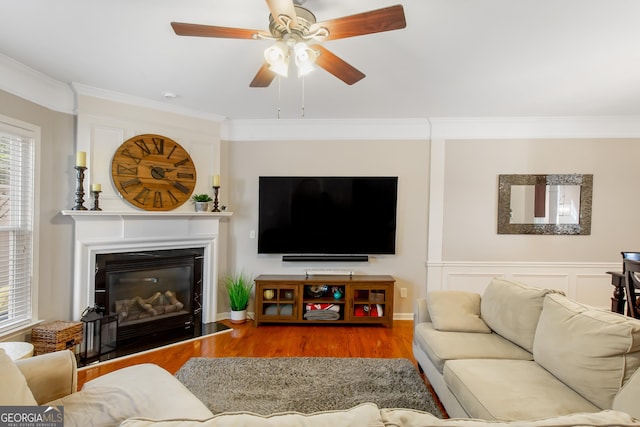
591	350
14	390
512	310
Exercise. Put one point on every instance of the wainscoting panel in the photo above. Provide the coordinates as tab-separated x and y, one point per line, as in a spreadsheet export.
588	283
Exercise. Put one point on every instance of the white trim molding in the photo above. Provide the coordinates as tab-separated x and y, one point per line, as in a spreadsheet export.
588	283
85	90
27	83
534	127
325	129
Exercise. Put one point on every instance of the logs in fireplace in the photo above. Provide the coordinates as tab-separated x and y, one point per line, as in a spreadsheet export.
155	295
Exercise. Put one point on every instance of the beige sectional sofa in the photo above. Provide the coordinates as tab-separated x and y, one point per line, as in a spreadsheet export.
519	353
146	395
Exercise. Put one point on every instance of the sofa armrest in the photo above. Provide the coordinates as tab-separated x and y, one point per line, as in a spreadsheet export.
50	376
420	312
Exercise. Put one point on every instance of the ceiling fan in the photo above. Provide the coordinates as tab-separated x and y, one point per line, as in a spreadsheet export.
292	27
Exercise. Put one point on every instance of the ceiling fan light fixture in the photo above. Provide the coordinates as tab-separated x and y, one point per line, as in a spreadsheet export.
305	58
277	56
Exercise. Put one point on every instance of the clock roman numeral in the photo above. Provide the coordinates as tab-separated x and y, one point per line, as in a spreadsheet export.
171	152
157	199
181	187
185	175
127	170
129	183
181	162
127	153
158	144
141	197
143	146
174	200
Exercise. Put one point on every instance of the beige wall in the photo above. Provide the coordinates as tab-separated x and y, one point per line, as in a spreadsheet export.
472	251
56	182
471	198
406	159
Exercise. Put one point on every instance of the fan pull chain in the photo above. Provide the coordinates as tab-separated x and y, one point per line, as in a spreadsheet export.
302	108
278	112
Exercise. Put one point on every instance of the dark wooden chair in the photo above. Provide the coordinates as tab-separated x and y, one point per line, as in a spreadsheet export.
634	256
632	286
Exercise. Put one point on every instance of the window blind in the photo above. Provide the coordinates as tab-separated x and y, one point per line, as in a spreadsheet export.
16	229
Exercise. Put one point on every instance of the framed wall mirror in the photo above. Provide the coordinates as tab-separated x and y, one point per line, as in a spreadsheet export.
544	204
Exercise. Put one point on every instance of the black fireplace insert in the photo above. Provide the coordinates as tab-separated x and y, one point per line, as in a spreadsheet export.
155	296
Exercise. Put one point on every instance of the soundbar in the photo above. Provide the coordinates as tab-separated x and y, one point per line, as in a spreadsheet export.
325	258
327	272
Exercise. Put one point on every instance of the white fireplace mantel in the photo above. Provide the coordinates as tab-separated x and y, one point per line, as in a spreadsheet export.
100	232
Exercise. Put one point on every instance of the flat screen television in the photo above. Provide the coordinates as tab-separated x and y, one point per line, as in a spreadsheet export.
312	215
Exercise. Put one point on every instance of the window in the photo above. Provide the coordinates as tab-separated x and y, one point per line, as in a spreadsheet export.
17	148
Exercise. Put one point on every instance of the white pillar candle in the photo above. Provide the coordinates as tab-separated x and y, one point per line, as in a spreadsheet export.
216	180
81	158
96	187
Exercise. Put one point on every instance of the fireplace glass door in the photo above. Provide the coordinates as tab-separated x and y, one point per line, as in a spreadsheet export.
154	295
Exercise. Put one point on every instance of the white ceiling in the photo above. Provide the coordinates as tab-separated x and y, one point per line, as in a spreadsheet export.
456	58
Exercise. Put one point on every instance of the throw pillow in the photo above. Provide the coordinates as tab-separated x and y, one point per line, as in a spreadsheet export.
14	390
456	311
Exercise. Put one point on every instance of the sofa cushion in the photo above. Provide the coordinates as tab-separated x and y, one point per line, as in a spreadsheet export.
365	415
593	351
512	310
412	418
144	390
14	390
627	399
511	390
456	311
442	346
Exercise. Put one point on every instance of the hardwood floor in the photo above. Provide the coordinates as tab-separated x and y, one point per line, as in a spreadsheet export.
246	340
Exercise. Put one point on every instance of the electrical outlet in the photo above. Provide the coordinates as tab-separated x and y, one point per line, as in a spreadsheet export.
252	234
403	292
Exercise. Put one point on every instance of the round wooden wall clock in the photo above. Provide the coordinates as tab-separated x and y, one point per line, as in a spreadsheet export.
153	172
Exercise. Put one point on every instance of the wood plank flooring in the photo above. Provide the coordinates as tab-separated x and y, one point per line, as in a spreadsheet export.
247	340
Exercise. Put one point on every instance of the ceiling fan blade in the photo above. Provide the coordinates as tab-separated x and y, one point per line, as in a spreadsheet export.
336	66
283	7
374	21
198	30
263	77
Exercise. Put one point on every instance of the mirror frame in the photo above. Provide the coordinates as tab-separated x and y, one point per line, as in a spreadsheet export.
504	204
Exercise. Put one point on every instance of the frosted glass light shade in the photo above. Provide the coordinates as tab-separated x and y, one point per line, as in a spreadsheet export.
277	56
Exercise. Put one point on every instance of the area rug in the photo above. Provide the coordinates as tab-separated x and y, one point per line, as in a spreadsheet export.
304	384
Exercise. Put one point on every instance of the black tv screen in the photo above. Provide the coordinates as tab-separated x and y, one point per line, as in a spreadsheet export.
327	215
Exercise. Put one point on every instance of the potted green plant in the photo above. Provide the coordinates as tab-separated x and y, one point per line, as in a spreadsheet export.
239	288
202	202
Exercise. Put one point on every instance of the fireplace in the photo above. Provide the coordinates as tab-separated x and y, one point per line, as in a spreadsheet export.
155	296
104	233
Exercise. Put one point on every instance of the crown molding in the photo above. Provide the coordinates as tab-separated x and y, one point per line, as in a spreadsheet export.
443	128
325	129
535	127
85	90
27	83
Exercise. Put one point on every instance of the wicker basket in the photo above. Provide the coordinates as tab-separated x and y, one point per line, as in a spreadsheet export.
54	336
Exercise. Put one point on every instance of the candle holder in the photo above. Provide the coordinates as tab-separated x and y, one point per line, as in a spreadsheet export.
216	189
79	188
96	196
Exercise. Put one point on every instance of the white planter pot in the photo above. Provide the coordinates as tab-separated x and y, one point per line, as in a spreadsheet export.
238	316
